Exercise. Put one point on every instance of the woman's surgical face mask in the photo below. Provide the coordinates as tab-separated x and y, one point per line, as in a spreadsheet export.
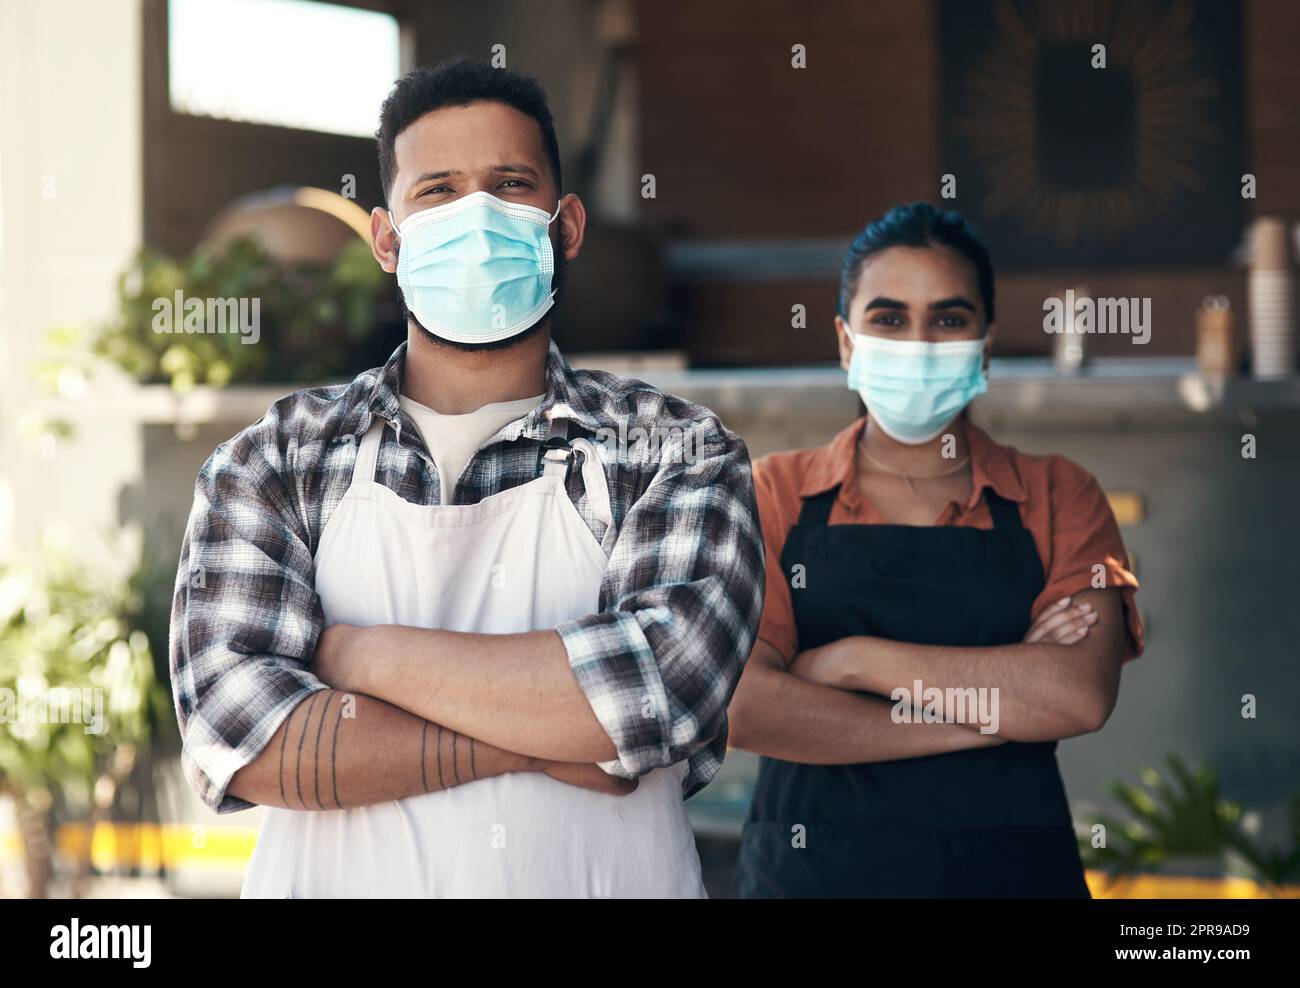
913	389
477	270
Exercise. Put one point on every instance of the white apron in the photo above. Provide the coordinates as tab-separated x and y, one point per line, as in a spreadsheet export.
520	560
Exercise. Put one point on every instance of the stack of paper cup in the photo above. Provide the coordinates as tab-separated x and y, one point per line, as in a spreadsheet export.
1272	290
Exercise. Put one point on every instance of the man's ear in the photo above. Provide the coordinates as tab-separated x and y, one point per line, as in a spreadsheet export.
988	344
383	239
844	337
573	219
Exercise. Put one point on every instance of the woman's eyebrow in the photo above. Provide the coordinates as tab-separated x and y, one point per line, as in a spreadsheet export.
881	302
956	302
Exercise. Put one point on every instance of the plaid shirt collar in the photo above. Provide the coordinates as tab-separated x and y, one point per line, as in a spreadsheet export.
379	391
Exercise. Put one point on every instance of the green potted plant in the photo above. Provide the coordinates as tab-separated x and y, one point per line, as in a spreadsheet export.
1276	867
78	695
312	316
1180	824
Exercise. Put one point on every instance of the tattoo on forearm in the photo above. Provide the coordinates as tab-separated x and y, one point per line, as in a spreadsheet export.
334	755
320	727
284	742
424	747
293	754
441	783
297	772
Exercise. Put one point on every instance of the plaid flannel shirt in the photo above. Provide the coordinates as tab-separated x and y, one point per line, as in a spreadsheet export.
679	604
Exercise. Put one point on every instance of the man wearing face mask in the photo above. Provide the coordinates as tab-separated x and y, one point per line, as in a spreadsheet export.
940	611
454	645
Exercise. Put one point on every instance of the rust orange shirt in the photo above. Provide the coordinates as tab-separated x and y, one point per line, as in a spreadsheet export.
1060	503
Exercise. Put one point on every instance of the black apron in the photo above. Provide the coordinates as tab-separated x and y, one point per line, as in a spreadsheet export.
985	822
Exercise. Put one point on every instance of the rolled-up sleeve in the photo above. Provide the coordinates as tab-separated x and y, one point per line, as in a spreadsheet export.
680	605
245	615
778	627
1086	549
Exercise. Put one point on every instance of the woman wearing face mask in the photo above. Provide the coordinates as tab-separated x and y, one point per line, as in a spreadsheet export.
940	611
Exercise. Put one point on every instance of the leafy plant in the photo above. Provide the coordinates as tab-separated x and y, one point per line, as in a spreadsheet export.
1180	815
311	317
1275	867
78	694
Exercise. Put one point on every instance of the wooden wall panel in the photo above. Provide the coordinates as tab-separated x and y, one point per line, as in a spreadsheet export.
744	146
1272	34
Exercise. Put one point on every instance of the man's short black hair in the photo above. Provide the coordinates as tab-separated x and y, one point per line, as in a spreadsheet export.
459	82
918	224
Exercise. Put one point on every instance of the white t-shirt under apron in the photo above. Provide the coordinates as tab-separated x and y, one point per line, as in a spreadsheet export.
453	439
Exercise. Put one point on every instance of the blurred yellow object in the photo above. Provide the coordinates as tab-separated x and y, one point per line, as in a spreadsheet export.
1103	886
149	846
1129	506
1216	342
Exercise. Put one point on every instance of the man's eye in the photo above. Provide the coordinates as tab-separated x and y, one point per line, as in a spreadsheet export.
952	322
888	319
435	190
513	183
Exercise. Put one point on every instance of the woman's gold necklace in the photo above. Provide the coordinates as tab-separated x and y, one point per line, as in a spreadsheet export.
907	479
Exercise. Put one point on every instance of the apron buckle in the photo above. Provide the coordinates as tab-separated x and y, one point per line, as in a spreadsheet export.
553	450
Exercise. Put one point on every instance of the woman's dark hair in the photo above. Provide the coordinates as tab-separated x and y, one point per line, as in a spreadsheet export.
918	224
459	82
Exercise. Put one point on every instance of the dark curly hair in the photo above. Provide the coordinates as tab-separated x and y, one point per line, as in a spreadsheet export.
918	224
459	82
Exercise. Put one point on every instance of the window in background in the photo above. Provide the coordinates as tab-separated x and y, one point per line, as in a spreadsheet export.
290	63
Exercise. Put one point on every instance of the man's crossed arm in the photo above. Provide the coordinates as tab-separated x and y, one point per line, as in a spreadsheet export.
339	750
514	691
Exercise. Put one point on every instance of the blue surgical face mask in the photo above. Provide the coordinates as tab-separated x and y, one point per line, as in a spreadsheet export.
477	270
914	389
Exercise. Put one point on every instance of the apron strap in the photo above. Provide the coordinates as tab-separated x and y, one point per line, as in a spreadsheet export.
363	471
556	459
816	510
593	481
1006	514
